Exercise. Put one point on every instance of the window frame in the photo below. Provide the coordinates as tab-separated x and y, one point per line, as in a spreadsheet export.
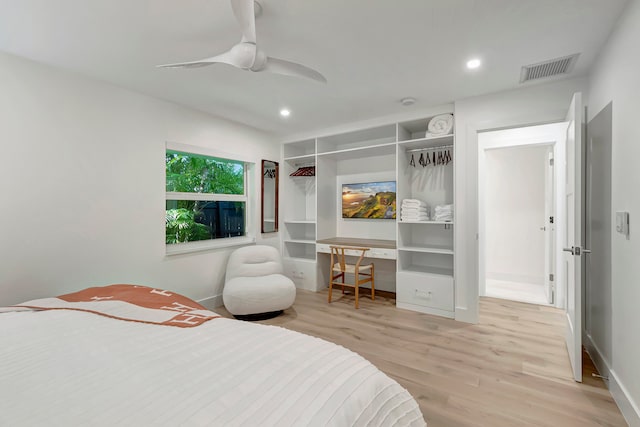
247	198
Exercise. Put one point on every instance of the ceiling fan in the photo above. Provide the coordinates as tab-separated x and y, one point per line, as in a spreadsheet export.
246	55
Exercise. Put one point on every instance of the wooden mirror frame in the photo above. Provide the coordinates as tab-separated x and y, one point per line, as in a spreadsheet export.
267	166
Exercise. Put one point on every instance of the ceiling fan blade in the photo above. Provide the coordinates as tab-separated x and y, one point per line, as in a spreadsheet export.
223	58
245	15
288	68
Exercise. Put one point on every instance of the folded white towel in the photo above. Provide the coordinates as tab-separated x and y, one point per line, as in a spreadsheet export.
443	216
414	215
414	209
443	208
413	202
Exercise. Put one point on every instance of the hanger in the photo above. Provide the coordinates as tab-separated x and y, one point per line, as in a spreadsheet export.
412	162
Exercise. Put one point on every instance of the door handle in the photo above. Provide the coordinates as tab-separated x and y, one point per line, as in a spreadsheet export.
577	250
543	228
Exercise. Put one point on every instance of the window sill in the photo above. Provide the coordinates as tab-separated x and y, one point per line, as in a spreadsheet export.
189	247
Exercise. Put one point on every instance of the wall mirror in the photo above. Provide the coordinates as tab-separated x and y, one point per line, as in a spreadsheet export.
269	214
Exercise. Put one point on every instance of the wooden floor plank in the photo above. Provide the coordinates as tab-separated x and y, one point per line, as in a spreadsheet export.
511	369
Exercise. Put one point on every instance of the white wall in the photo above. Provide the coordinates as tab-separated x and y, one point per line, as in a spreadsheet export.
534	104
615	78
514	212
83	185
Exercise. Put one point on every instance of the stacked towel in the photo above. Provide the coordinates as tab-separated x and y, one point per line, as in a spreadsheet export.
444	213
414	210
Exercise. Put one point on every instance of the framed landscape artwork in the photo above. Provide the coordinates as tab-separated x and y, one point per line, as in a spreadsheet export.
369	200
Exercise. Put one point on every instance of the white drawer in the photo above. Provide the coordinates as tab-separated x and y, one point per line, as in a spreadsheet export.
427	290
371	253
382	253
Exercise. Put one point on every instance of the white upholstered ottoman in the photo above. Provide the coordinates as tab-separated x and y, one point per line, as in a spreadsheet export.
255	286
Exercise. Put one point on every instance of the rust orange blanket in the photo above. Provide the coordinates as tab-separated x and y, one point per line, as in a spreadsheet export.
129	302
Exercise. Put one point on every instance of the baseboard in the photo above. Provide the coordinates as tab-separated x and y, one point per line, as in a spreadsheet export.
465	315
211	302
602	365
627	406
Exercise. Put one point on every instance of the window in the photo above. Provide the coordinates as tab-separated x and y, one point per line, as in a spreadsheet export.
206	200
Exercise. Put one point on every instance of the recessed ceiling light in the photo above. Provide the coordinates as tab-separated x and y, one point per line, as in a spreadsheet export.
285	113
407	101
472	64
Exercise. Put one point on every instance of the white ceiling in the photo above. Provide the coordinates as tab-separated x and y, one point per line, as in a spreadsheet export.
373	52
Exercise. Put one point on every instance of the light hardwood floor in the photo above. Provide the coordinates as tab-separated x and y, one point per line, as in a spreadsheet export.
511	369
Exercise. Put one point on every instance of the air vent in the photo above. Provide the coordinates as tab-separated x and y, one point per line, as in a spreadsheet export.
554	67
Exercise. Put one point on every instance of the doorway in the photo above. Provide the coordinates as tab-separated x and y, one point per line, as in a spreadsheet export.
516	242
520	176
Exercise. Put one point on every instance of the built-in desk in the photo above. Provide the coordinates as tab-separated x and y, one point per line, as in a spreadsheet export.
384	249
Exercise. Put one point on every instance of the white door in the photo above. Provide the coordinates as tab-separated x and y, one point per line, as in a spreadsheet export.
573	236
549	229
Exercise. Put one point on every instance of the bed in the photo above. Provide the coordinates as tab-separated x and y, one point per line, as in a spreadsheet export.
103	356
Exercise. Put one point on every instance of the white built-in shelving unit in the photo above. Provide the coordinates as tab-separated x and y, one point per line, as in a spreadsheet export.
423	276
298	207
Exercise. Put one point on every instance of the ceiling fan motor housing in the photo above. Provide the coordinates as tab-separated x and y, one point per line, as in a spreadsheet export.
244	55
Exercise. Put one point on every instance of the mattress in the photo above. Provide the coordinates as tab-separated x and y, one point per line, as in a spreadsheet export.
71	367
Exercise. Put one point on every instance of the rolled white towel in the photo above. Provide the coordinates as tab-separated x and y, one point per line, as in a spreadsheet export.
440	125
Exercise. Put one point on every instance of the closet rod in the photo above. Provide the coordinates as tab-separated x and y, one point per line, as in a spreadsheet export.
304	165
430	148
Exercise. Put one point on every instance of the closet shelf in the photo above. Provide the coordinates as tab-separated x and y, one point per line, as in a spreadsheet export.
301	241
359	152
303	257
427	222
431	141
431	249
300	221
305	158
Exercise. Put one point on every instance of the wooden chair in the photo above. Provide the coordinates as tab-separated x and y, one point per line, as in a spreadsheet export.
339	268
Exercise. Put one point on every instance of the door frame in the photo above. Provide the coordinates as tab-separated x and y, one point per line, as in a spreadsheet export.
554	135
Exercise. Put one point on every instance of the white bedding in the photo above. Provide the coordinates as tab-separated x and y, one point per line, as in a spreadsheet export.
72	368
